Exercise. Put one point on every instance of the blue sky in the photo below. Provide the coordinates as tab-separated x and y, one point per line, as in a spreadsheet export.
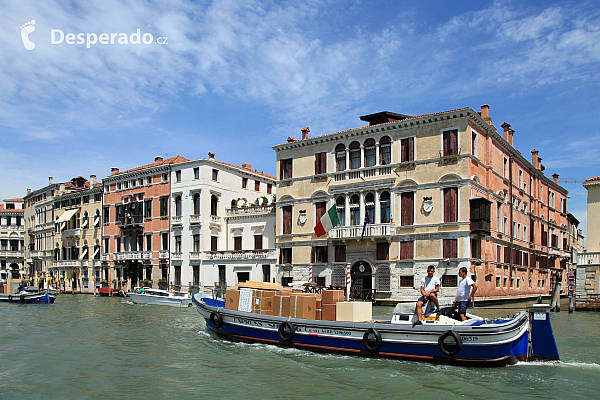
237	77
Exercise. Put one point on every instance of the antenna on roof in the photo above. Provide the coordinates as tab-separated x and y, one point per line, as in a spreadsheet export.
166	155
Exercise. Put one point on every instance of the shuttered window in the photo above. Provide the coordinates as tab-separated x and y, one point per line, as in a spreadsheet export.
383	251
287	220
318	254
450	248
451	204
407	250
407	149
320	163
285	169
407	201
320	209
450	142
213	243
340	253
237	243
258	242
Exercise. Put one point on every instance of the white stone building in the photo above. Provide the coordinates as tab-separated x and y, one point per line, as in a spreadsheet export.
222	224
12	232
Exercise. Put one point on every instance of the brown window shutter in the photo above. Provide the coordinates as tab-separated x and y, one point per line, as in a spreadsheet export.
258	242
280	256
340	253
317	163
403	153
289	167
383	251
507	255
446	142
287	220
281	166
237	243
411	149
407	204
406	250
450	249
323	162
450	204
320	208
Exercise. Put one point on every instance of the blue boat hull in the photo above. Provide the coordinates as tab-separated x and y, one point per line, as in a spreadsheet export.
28	298
487	345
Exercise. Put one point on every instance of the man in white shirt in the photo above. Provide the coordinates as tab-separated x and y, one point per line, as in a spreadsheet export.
430	286
464	294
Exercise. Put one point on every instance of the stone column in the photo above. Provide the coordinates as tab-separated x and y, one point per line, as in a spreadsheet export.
361	210
377	216
347	211
377	154
362	157
347	159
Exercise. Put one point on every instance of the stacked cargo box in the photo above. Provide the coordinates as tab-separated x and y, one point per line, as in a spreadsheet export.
329	301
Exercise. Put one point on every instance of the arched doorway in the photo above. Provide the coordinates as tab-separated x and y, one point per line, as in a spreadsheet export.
14	271
361	275
74	280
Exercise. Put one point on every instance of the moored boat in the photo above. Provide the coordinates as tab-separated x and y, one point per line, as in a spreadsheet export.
160	297
29	294
526	336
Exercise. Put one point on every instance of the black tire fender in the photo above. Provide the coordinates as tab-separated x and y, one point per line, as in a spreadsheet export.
457	339
369	345
22	298
282	330
216	320
10	297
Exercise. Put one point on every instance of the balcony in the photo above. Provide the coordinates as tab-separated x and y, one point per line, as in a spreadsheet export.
72	233
176	220
67	264
45	226
588	258
12	254
195	255
163	254
251	211
241	255
367	172
131	221
176	256
104	257
14	228
351	232
134	255
97	263
450	153
195	219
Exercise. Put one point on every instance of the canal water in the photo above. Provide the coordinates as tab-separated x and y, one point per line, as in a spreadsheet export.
96	347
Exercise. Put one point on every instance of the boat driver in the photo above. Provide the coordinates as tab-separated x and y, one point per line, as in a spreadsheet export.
464	294
430	286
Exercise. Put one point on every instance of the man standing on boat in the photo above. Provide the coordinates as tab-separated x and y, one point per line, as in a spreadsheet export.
430	286
464	294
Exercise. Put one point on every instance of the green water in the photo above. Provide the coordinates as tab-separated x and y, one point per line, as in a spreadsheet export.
86	347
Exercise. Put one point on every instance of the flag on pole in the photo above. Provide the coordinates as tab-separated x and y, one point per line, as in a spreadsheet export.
329	220
365	225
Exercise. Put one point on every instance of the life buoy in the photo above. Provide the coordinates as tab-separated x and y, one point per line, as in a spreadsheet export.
216	320
368	342
286	331
457	339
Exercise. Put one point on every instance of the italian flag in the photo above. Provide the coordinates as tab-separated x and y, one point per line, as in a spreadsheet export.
328	220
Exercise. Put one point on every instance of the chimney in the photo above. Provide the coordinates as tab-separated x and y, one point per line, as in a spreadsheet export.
291	139
28	192
62	189
507	134
511	137
247	165
114	171
92	181
485	113
50	180
158	158
534	158
555	178
211	155
305	133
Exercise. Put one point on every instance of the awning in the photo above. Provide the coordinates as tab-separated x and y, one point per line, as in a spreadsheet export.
83	253
67	215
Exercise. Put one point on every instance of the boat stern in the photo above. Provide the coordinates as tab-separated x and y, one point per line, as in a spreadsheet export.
542	343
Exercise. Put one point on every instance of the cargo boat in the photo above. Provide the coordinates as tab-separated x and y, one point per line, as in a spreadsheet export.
527	336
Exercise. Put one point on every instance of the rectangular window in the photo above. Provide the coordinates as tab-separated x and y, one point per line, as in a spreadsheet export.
196	275
197	173
177	275
449	280
178	176
507	255
148	208
214	241
257	186
244	183
165	177
497	281
340	253
407	250
474	143
165	240
164	206
354	157
196	243
450	142
370	155
178	244
149	242
450	248
287	220
258	242
106	245
499	219
340	159
407	200
319	254
106	214
407	281
498	253
269	188
383	251
407	149
451	204
505	168
118	245
237	243
215	174
285	169
321	163
475	248
285	255
320	208
521	179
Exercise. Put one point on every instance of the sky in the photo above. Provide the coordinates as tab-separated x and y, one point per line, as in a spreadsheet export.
238	77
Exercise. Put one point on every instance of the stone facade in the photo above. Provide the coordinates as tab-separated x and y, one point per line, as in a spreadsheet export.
12	242
588	269
444	189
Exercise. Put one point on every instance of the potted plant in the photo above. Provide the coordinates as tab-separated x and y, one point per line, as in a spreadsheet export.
264	200
163	283
146	283
104	283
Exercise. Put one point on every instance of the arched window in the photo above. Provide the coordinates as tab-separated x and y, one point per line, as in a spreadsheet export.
354	155
370	159
85	220
354	210
385	150
233	203
196	203
382	279
340	157
213	205
178	206
340	204
370	207
384	201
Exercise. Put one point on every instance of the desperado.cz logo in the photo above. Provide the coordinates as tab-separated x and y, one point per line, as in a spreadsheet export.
57	36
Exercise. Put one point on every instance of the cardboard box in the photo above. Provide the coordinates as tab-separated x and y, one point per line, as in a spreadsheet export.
259	285
303	306
319	308
262	300
332	296
232	299
266	305
328	312
281	305
353	311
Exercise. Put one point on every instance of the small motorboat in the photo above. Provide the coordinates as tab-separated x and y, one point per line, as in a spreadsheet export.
160	297
526	336
28	294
